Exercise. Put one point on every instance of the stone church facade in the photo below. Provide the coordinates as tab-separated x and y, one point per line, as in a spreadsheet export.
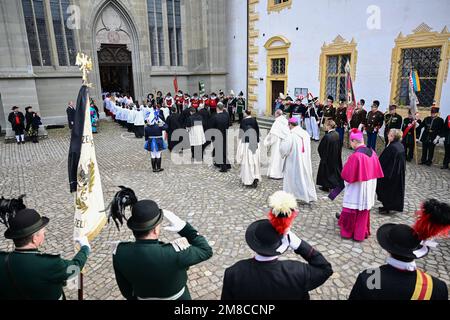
137	45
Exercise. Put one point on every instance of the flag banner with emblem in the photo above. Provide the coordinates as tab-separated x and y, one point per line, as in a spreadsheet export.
350	93
175	84
414	86
84	175
414	77
201	88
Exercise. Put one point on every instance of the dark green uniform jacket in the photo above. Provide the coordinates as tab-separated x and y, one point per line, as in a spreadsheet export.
34	275
153	269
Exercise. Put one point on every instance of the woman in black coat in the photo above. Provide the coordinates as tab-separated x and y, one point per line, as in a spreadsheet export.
391	188
330	152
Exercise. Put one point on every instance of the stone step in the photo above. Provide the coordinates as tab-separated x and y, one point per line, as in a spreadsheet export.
11	138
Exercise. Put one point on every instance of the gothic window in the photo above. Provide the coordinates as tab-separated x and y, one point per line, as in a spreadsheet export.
35	14
175	37
70	35
155	23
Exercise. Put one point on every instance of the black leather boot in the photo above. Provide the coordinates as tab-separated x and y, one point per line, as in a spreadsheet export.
158	165
154	167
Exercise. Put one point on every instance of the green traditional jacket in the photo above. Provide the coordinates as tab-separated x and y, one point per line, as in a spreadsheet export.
33	275
240	105
154	269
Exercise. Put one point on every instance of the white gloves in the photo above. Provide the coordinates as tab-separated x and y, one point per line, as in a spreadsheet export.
289	240
176	223
436	141
294	241
83	242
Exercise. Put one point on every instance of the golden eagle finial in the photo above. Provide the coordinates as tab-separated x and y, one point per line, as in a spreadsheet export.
85	64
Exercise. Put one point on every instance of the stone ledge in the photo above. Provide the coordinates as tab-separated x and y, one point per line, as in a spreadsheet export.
10	137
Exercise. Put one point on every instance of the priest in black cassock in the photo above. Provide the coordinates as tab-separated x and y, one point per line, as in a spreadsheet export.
221	122
173	122
391	188
330	152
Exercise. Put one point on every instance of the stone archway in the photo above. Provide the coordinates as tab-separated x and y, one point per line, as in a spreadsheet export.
113	26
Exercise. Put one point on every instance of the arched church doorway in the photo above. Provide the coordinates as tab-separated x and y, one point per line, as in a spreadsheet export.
116	69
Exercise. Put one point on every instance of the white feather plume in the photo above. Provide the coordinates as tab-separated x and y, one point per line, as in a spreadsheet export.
282	203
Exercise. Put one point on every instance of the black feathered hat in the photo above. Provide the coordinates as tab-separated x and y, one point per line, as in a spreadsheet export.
20	221
262	238
145	216
401	240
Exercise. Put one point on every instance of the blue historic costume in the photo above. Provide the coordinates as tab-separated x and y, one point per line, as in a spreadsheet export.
94	119
154	142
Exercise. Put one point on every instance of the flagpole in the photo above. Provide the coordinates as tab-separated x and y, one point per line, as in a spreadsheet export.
415	141
80	287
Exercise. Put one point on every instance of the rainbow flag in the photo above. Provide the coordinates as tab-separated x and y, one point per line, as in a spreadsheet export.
415	81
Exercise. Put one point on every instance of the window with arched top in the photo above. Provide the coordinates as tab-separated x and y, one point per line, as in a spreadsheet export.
277	69
425	52
47	28
333	58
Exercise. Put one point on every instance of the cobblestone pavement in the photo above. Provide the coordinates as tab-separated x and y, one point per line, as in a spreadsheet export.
216	204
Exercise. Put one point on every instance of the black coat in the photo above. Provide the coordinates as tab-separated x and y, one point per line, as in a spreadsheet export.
277	280
173	123
409	138
358	117
394	285
446	131
250	133
221	122
70	116
391	188
205	118
28	120
184	117
12	120
330	167
432	128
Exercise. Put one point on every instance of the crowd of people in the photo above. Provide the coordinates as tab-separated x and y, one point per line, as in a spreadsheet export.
165	122
429	131
25	126
148	269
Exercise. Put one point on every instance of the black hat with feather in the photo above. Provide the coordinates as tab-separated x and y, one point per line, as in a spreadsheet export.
20	221
145	214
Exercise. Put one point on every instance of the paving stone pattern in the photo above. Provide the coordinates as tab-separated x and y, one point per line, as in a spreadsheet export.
217	204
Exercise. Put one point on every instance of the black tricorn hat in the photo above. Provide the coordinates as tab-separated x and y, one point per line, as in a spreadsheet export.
401	240
262	238
145	216
24	223
330	98
14	108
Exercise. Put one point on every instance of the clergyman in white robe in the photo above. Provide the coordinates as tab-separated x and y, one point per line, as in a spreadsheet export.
279	130
298	176
248	154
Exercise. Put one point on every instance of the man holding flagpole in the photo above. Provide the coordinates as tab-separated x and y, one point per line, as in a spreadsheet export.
84	175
